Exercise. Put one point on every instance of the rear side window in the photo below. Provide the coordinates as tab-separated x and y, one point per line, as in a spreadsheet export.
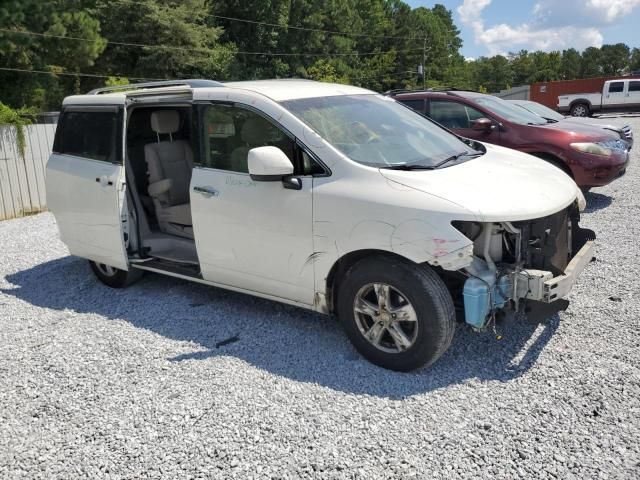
616	87
453	114
89	134
417	105
634	86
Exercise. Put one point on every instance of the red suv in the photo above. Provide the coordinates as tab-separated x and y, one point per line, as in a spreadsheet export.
592	156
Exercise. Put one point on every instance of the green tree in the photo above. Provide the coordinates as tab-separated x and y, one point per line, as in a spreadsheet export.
182	40
523	67
45	53
547	66
634	62
591	62
493	73
614	59
570	64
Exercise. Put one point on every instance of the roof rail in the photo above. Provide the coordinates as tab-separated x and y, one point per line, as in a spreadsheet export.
193	83
447	90
399	90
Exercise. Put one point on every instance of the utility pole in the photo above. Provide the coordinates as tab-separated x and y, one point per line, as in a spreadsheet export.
424	64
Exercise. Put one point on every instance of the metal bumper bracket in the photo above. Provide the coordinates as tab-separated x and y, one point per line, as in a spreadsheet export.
561	285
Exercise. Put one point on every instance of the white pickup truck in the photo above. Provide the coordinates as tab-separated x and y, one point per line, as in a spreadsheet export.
617	95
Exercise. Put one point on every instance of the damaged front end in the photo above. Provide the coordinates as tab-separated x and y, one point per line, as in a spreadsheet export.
526	266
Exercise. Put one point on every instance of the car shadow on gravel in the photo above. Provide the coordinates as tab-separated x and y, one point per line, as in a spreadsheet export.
596	201
280	339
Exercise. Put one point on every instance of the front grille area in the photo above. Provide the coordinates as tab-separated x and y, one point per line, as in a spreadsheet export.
546	242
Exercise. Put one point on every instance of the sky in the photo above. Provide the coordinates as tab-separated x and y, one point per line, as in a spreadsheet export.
489	27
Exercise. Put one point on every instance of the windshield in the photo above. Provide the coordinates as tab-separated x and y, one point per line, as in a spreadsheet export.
508	111
377	131
539	109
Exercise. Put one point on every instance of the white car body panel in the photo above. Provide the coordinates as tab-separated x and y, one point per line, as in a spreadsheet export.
87	197
564	101
605	100
87	209
507	174
614	98
107	99
254	235
263	239
633	96
281	90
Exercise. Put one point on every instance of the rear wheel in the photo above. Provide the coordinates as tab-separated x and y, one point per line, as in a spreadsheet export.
114	277
397	315
580	110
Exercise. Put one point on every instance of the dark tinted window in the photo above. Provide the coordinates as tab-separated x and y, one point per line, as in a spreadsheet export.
634	86
453	114
417	105
230	132
89	135
616	87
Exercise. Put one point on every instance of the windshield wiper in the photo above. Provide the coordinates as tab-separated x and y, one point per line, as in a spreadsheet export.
414	166
457	156
404	166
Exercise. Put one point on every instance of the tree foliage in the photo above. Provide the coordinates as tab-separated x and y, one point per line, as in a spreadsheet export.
378	44
17	119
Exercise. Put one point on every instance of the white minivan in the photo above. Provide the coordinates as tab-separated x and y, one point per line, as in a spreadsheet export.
329	197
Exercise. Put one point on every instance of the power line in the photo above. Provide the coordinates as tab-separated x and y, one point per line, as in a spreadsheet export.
96	75
72	74
205	50
383	75
293	27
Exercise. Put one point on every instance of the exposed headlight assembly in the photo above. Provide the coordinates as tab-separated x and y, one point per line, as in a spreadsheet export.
592	148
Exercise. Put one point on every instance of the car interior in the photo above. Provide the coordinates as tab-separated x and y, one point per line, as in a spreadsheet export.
159	164
160	160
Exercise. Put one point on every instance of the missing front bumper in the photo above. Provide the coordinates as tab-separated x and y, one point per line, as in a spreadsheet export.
542	286
561	285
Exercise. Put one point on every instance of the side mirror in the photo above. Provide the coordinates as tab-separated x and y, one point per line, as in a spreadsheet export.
268	164
482	124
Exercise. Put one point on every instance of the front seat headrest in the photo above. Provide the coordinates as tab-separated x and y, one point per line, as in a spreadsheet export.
255	130
165	121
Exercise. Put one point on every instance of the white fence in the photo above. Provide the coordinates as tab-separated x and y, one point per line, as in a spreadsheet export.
22	190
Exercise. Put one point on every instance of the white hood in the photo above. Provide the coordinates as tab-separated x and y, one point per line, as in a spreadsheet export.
501	185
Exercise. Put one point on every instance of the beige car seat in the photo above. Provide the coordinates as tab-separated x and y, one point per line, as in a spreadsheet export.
254	133
170	164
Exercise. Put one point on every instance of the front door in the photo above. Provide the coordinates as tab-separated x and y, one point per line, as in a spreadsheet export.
633	94
85	183
250	234
614	96
460	118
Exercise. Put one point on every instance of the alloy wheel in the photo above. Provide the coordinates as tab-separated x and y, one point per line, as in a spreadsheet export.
106	269
385	317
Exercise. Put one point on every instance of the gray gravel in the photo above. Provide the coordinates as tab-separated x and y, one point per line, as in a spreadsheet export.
100	383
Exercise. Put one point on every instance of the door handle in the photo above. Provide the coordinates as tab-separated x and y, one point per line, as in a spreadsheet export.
103	181
206	191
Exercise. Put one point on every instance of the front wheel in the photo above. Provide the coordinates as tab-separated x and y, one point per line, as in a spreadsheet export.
580	110
114	277
397	315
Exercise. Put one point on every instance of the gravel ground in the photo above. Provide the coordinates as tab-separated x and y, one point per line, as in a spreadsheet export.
100	383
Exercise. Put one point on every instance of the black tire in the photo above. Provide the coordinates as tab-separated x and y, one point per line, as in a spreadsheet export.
118	278
580	110
425	292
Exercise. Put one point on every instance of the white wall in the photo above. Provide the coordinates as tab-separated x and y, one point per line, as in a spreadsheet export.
22	179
